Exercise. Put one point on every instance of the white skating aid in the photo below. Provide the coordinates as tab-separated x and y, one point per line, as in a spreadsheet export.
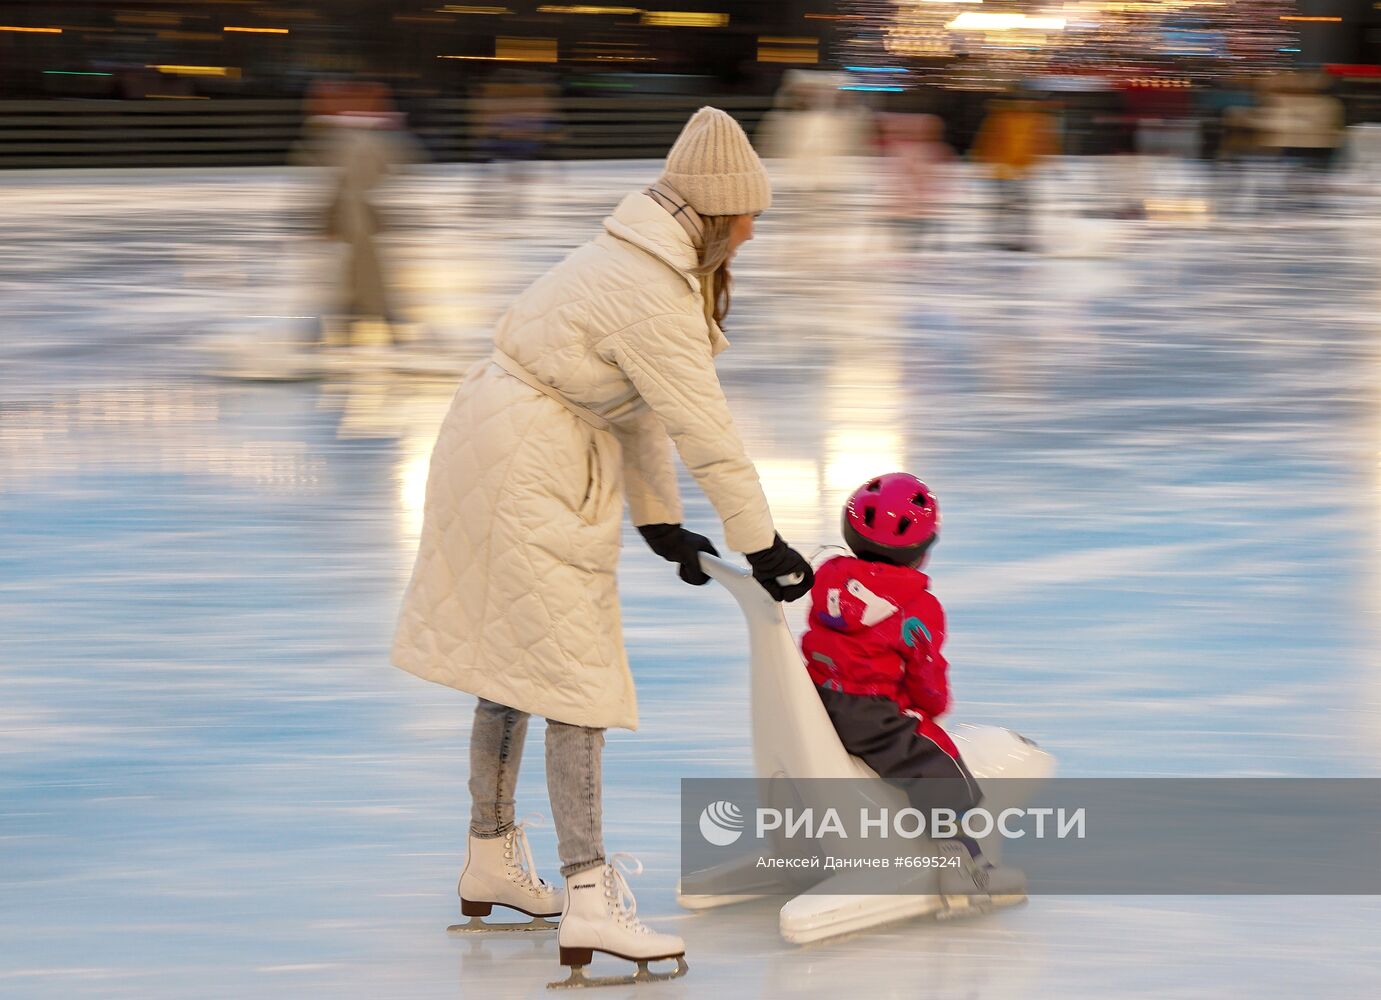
794	739
499	871
602	915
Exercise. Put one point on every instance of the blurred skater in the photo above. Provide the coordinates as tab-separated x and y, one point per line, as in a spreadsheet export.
1237	162
818	136
1014	137
516	128
1304	125
918	163
354	133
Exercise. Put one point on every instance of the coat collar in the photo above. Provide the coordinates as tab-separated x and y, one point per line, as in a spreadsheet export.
641	221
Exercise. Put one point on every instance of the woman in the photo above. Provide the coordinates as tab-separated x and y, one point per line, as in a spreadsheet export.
597	368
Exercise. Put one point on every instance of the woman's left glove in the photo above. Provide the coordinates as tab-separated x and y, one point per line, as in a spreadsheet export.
675	544
783	572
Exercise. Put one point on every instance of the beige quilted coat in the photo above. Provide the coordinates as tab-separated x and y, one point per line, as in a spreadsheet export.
513	595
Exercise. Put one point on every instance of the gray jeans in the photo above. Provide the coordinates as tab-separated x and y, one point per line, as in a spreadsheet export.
573	781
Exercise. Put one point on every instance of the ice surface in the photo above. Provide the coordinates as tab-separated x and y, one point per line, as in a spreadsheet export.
1159	471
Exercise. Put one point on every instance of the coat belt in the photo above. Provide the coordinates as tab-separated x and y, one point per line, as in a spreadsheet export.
511	367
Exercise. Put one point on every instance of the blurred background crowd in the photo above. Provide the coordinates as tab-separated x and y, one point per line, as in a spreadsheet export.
1198	108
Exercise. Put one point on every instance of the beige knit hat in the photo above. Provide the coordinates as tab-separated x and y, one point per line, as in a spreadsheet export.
714	167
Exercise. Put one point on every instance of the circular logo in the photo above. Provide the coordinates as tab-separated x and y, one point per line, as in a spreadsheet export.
721	823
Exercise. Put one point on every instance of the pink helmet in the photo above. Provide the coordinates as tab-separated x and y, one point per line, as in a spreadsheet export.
893	518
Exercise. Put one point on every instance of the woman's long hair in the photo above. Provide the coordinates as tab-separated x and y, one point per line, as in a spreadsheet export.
714	262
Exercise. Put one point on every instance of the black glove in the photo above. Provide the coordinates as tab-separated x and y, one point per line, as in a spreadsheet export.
781	560
675	544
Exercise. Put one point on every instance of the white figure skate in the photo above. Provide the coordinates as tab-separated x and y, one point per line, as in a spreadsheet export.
499	871
601	915
794	739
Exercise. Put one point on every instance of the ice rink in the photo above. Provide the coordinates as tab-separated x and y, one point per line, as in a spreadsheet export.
1156	444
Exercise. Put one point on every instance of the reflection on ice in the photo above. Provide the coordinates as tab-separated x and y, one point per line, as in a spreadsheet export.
413	462
177	430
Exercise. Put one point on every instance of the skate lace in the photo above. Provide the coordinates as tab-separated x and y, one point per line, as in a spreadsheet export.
619	864
522	854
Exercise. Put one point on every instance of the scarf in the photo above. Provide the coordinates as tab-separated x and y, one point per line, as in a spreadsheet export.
679	209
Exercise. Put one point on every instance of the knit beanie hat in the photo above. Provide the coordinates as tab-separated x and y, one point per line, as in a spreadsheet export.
714	167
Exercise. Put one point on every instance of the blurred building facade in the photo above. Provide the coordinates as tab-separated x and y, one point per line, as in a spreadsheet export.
242	48
163	48
157	81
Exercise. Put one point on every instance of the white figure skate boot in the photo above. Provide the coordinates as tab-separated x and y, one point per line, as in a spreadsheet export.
499	871
975	885
601	915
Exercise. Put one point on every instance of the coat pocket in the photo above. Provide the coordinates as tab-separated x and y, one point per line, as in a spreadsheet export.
588	509
603	480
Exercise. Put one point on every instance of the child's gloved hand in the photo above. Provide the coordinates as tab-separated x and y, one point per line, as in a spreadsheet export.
780	561
675	544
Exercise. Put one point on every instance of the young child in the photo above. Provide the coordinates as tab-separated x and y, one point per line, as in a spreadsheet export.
873	649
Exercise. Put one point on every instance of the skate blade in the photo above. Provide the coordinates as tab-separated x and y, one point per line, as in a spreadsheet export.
578	980
834	924
478	925
966	907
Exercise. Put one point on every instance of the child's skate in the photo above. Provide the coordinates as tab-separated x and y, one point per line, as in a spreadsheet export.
499	871
601	915
976	886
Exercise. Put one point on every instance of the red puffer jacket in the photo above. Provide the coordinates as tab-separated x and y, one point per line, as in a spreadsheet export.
875	629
